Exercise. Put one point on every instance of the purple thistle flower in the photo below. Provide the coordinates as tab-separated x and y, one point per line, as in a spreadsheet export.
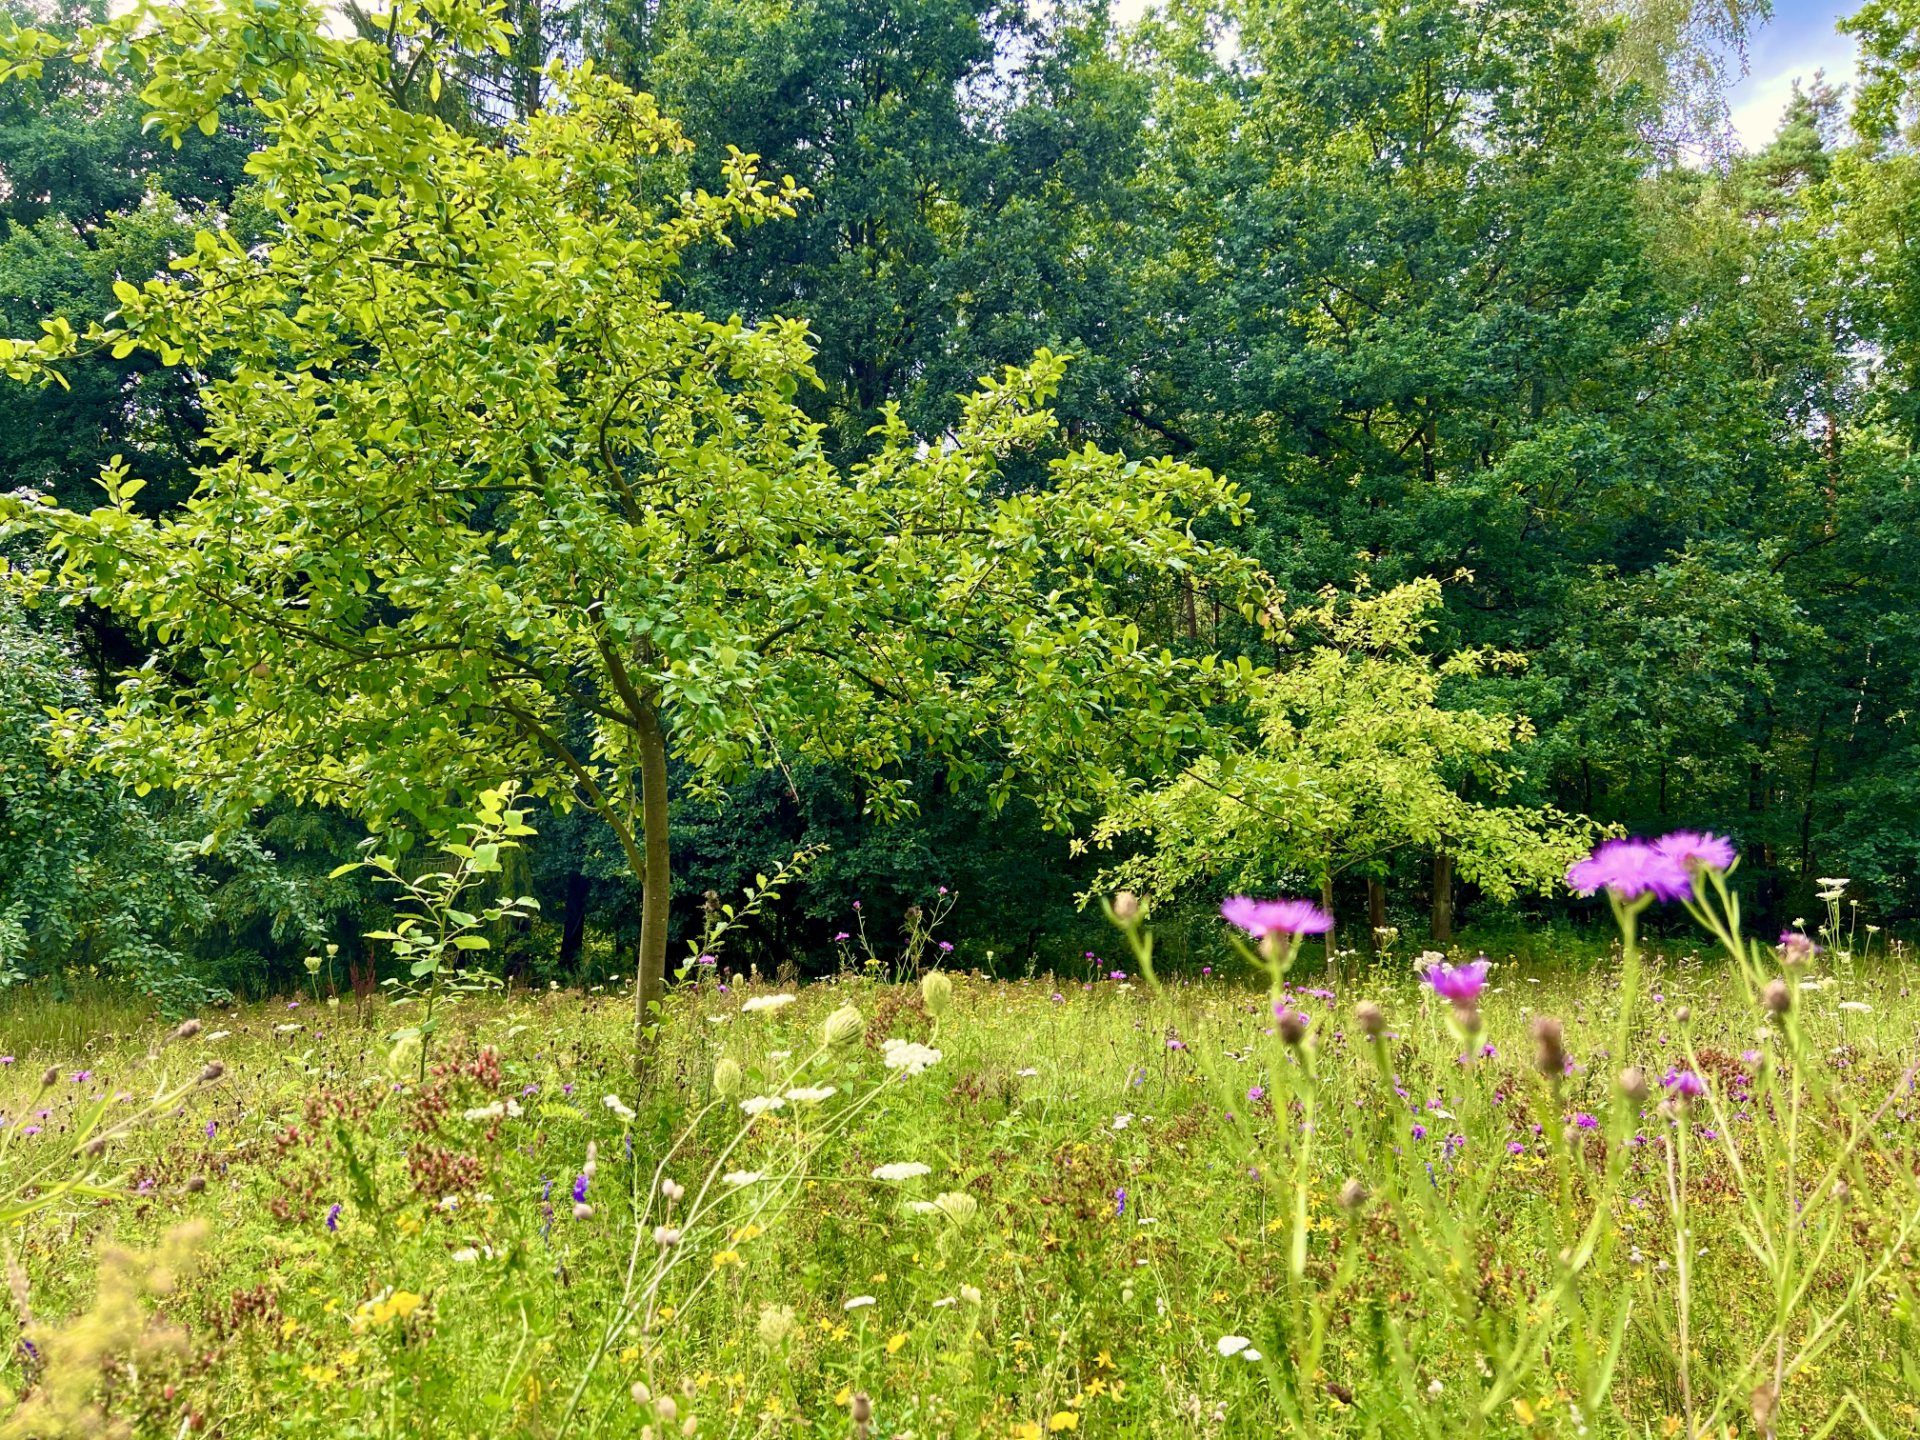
1461	984
1586	1121
1116	975
80	1077
1256	1094
1795	948
1419	1132
1690	850
946	947
1685	1084
843	935
1514	1147
1627	868
333	1218
1260	918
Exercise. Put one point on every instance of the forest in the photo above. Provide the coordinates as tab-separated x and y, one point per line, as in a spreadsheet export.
1479	301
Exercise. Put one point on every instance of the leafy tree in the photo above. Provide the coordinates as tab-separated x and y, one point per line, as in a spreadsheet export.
1355	759
474	480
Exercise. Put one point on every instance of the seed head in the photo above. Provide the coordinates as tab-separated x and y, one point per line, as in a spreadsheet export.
50	1077
1126	907
212	1073
1777	997
1292	1026
196	1184
1353	1195
582	1210
666	1409
1549	1047
675	1193
690	1426
959	1208
1633	1084
1763	1399
641	1394
1840	1192
186	1030
726	1076
1682	1015
843	1027
936	992
862	1408
1371	1019
665	1236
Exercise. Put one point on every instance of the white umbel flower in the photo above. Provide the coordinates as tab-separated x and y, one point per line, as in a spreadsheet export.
811	1094
744	1177
618	1106
761	1103
902	1170
908	1055
765	1002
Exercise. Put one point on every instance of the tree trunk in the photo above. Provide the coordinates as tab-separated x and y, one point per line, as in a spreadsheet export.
1442	898
1333	931
1376	913
573	922
650	983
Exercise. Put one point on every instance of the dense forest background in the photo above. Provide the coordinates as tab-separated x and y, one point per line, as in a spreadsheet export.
1458	291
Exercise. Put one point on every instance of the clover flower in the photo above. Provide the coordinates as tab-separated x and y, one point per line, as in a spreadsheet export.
1630	868
1261	918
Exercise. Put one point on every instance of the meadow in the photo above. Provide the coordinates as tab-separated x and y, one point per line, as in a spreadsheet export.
1209	1203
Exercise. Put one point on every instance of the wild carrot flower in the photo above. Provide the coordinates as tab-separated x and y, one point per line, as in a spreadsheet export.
902	1170
908	1056
765	1002
1260	918
1630	868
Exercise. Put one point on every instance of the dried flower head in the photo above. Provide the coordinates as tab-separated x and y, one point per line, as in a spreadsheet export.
1292	1026
726	1077
1778	996
1371	1019
1353	1195
958	1206
1633	1084
776	1324
1126	907
1549	1047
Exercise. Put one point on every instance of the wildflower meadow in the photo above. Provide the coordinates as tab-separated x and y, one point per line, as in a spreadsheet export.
1673	1193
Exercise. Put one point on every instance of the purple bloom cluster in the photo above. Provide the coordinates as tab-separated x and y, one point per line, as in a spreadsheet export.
1685	1084
1461	984
1261	918
1663	868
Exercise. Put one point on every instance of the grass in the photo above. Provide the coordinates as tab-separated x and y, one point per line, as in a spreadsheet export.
1147	1172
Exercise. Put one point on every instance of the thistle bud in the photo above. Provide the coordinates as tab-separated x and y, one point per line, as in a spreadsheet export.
1371	1019
665	1236
94	1148
936	992
843	1027
186	1030
1633	1084
1682	1015
1840	1192
1292	1026
1467	1016
196	1184
582	1211
862	1413
50	1077
1762	1400
690	1427
641	1394
666	1409
675	1193
212	1073
1126	907
1549	1047
1353	1195
726	1077
1777	997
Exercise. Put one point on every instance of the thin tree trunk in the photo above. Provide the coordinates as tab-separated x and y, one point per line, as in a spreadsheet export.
1376	913
1333	931
573	922
650	984
1442	898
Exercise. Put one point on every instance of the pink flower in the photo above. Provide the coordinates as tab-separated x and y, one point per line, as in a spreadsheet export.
1795	948
1260	918
1692	849
1461	984
1627	868
1685	1084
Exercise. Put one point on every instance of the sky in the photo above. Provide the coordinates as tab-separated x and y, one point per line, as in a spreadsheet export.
1799	40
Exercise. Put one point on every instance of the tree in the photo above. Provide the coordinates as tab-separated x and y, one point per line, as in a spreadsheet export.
1355	759
476	480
